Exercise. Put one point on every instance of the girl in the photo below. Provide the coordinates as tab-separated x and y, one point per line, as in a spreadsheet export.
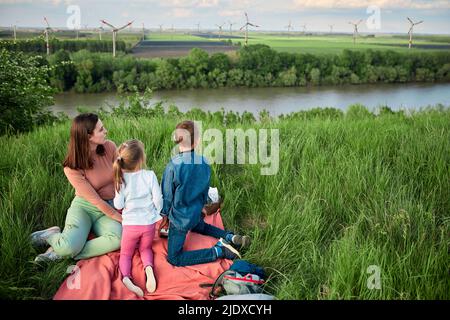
139	195
185	186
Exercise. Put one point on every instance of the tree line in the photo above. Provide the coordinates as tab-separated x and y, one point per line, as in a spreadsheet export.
255	66
38	45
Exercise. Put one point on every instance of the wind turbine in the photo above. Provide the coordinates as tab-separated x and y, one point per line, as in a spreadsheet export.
220	29
331	28
198	27
143	32
410	32
289	27
115	30
100	32
246	28
304	28
160	28
355	29
14	30
46	31
231	27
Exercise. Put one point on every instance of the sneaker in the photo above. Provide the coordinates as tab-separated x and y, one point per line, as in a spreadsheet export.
150	283
228	252
49	255
240	242
39	238
132	287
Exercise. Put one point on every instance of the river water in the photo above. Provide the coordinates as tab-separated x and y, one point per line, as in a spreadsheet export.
275	100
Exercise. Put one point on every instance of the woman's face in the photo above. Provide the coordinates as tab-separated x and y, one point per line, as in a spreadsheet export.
99	134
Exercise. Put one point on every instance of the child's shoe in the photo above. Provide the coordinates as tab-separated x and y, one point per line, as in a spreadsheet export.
132	287
240	242
227	251
151	281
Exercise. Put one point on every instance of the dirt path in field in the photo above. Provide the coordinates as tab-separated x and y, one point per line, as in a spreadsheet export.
168	49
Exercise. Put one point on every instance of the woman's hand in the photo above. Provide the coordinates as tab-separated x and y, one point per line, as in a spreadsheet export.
117	217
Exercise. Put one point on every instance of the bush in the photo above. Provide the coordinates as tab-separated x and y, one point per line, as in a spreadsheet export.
24	93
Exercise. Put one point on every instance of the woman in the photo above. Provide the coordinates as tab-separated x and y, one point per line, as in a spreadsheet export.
89	168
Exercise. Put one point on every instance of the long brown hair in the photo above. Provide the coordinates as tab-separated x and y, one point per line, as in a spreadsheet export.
78	152
130	155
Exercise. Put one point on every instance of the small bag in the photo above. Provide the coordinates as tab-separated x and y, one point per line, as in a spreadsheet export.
242	278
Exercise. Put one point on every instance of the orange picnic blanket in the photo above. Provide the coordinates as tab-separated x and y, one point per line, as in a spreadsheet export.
99	278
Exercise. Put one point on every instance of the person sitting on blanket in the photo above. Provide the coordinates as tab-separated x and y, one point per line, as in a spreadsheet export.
185	186
137	192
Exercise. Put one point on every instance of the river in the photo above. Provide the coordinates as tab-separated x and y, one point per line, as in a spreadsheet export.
276	100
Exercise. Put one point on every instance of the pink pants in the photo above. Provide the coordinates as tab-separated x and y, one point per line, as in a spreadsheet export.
131	236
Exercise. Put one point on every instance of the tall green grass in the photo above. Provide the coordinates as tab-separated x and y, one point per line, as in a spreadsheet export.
352	191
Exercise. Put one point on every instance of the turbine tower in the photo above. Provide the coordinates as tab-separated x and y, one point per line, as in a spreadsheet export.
355	29
231	27
46	32
100	32
289	27
410	32
160	28
115	30
246	28
304	28
220	29
331	28
198	27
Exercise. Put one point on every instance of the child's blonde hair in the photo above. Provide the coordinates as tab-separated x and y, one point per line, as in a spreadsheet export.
130	156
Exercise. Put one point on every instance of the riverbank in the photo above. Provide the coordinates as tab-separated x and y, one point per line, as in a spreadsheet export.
352	191
276	101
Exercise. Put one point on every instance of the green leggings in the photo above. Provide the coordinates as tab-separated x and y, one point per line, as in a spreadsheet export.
82	217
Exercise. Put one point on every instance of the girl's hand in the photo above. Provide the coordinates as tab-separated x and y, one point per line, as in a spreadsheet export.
164	224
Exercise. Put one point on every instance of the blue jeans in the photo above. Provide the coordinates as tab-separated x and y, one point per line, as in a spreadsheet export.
178	257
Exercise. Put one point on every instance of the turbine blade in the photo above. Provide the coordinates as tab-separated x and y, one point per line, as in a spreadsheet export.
418	22
123	27
409	20
46	21
108	24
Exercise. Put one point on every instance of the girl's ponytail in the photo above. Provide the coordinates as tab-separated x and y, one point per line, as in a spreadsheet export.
118	175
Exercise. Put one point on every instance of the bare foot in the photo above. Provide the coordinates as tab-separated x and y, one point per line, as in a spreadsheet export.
132	287
151	281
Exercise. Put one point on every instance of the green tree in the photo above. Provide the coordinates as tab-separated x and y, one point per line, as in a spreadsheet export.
24	93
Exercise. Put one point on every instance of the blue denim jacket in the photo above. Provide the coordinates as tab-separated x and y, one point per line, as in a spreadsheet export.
185	185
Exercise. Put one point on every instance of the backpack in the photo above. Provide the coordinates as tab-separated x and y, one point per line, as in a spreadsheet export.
243	277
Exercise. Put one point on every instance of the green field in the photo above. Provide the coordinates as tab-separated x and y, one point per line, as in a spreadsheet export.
336	44
294	42
351	192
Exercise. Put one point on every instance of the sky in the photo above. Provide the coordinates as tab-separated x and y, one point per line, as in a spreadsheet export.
378	16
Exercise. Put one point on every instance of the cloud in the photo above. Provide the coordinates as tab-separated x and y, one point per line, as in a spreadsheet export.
352	4
207	3
231	13
181	13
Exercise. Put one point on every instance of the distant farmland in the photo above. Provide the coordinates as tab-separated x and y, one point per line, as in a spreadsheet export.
153	49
